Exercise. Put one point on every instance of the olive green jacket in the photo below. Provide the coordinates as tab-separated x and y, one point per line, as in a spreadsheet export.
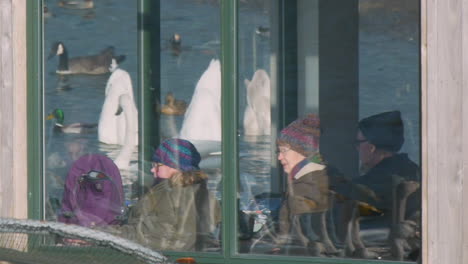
166	218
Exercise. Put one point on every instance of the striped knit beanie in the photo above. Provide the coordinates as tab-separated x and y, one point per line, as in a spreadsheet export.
178	154
302	135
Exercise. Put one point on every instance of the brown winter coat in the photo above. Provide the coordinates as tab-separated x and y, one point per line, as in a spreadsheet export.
307	194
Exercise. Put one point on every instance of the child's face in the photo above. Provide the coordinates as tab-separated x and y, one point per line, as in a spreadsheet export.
162	171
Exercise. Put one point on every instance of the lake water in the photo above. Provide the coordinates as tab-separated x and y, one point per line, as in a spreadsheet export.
388	61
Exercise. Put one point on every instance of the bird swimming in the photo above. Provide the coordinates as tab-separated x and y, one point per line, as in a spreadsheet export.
74	128
92	64
118	121
176	44
257	113
76	4
46	12
262	31
118	114
173	106
203	118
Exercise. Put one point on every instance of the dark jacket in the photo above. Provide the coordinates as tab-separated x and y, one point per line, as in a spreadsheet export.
168	218
380	180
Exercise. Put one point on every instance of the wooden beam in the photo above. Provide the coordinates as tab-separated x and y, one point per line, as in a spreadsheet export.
6	108
19	109
13	177
445	134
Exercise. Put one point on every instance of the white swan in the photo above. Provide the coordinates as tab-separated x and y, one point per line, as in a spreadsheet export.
202	121
118	123
112	123
257	114
131	129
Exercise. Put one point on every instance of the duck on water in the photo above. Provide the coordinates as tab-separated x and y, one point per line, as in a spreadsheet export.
74	128
76	4
173	106
92	64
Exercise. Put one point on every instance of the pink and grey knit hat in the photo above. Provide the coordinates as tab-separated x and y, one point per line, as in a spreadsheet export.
302	135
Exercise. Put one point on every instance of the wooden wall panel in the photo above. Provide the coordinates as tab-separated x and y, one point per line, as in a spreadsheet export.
20	178
424	127
445	135
6	107
13	177
464	205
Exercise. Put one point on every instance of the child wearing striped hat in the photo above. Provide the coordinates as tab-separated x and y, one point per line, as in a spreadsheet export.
179	213
178	158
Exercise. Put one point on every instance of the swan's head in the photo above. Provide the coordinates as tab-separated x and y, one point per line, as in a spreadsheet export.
119	83
58	115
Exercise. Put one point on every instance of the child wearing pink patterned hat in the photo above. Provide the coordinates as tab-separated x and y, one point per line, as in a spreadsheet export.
303	211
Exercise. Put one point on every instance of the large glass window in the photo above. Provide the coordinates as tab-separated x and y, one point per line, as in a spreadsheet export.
329	137
324	160
80	101
110	161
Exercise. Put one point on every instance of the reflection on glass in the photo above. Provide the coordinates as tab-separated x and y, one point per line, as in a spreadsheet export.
89	80
190	99
91	126
329	131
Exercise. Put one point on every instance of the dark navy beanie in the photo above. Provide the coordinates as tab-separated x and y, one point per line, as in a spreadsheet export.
178	154
384	130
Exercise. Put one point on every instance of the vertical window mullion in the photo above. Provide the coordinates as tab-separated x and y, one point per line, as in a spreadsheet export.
148	80
34	98
229	102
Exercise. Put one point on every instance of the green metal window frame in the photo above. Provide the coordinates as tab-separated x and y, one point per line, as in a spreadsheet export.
148	16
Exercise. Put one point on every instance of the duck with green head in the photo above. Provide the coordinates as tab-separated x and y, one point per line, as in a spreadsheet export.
75	128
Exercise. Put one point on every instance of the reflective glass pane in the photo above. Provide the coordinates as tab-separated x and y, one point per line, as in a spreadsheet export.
329	130
189	104
94	96
83	115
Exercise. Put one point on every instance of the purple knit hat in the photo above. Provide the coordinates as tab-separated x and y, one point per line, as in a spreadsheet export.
302	135
178	154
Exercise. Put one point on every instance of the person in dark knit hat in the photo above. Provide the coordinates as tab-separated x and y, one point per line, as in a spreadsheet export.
379	138
178	213
306	201
384	130
378	141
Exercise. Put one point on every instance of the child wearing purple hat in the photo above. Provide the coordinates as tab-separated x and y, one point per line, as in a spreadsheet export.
178	213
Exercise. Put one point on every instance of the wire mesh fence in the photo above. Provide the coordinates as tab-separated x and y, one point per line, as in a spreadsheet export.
37	242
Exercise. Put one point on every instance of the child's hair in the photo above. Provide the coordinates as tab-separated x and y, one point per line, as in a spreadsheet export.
186	178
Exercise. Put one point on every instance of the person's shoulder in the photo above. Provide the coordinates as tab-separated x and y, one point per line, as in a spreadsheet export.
398	164
403	162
